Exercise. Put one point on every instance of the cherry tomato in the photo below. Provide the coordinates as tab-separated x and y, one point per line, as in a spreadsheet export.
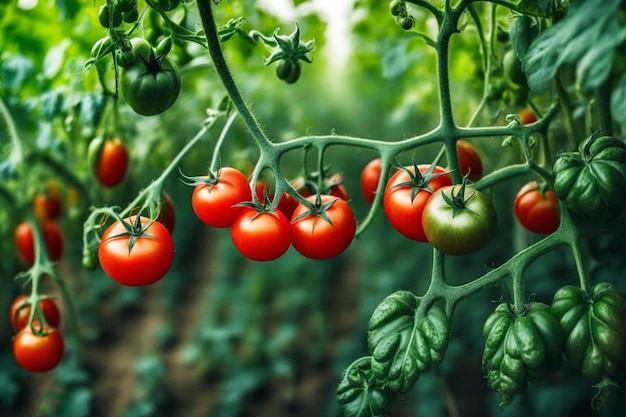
458	220
527	116
139	256
403	209
47	205
370	176
38	353
25	242
215	203
317	237
111	163
20	312
261	236
537	209
469	160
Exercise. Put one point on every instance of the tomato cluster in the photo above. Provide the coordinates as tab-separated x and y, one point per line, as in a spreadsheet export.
38	346
321	227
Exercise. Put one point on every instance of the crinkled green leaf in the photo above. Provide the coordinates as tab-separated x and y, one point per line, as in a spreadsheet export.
586	38
360	394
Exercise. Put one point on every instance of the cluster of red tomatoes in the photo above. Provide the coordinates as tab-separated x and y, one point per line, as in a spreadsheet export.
422	204
320	230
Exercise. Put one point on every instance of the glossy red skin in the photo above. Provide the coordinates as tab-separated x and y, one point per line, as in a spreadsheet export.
216	204
25	242
316	238
527	116
38	353
469	160
261	236
405	215
20	312
112	163
147	262
370	176
536	211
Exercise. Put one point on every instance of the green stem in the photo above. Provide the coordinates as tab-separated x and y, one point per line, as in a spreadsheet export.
18	152
223	71
215	161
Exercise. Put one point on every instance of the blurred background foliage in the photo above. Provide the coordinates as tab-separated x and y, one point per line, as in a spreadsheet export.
220	335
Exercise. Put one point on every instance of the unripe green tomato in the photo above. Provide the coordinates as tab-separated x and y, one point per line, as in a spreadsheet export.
102	47
142	49
125	5
130	16
513	68
126	58
406	22
288	70
109	17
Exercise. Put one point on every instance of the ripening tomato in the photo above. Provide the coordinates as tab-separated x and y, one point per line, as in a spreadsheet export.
139	252
261	236
47	204
469	160
111	163
20	312
25	242
537	208
215	202
38	352
325	232
527	116
459	220
370	176
406	195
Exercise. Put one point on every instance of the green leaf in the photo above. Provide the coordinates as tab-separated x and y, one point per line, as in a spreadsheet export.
536	7
618	104
522	33
586	38
359	393
68	9
402	344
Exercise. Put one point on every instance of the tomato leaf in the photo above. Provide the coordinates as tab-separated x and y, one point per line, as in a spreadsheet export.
587	38
360	394
403	344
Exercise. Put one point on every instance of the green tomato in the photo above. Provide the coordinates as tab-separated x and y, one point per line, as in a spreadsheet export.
520	349
513	68
289	70
593	180
459	220
164	5
109	17
594	325
151	84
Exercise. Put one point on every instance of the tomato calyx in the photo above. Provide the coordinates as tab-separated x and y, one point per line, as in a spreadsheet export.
134	231
457	199
209	180
419	181
318	209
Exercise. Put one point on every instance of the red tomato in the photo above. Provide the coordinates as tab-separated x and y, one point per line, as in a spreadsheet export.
111	163
38	353
370	176
20	312
469	160
536	209
405	210
318	238
25	243
48	205
527	116
215	203
146	262
261	236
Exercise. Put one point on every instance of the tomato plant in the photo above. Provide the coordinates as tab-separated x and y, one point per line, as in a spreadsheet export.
20	312
25	241
406	194
324	230
459	219
261	236
38	352
136	251
215	198
537	208
48	204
